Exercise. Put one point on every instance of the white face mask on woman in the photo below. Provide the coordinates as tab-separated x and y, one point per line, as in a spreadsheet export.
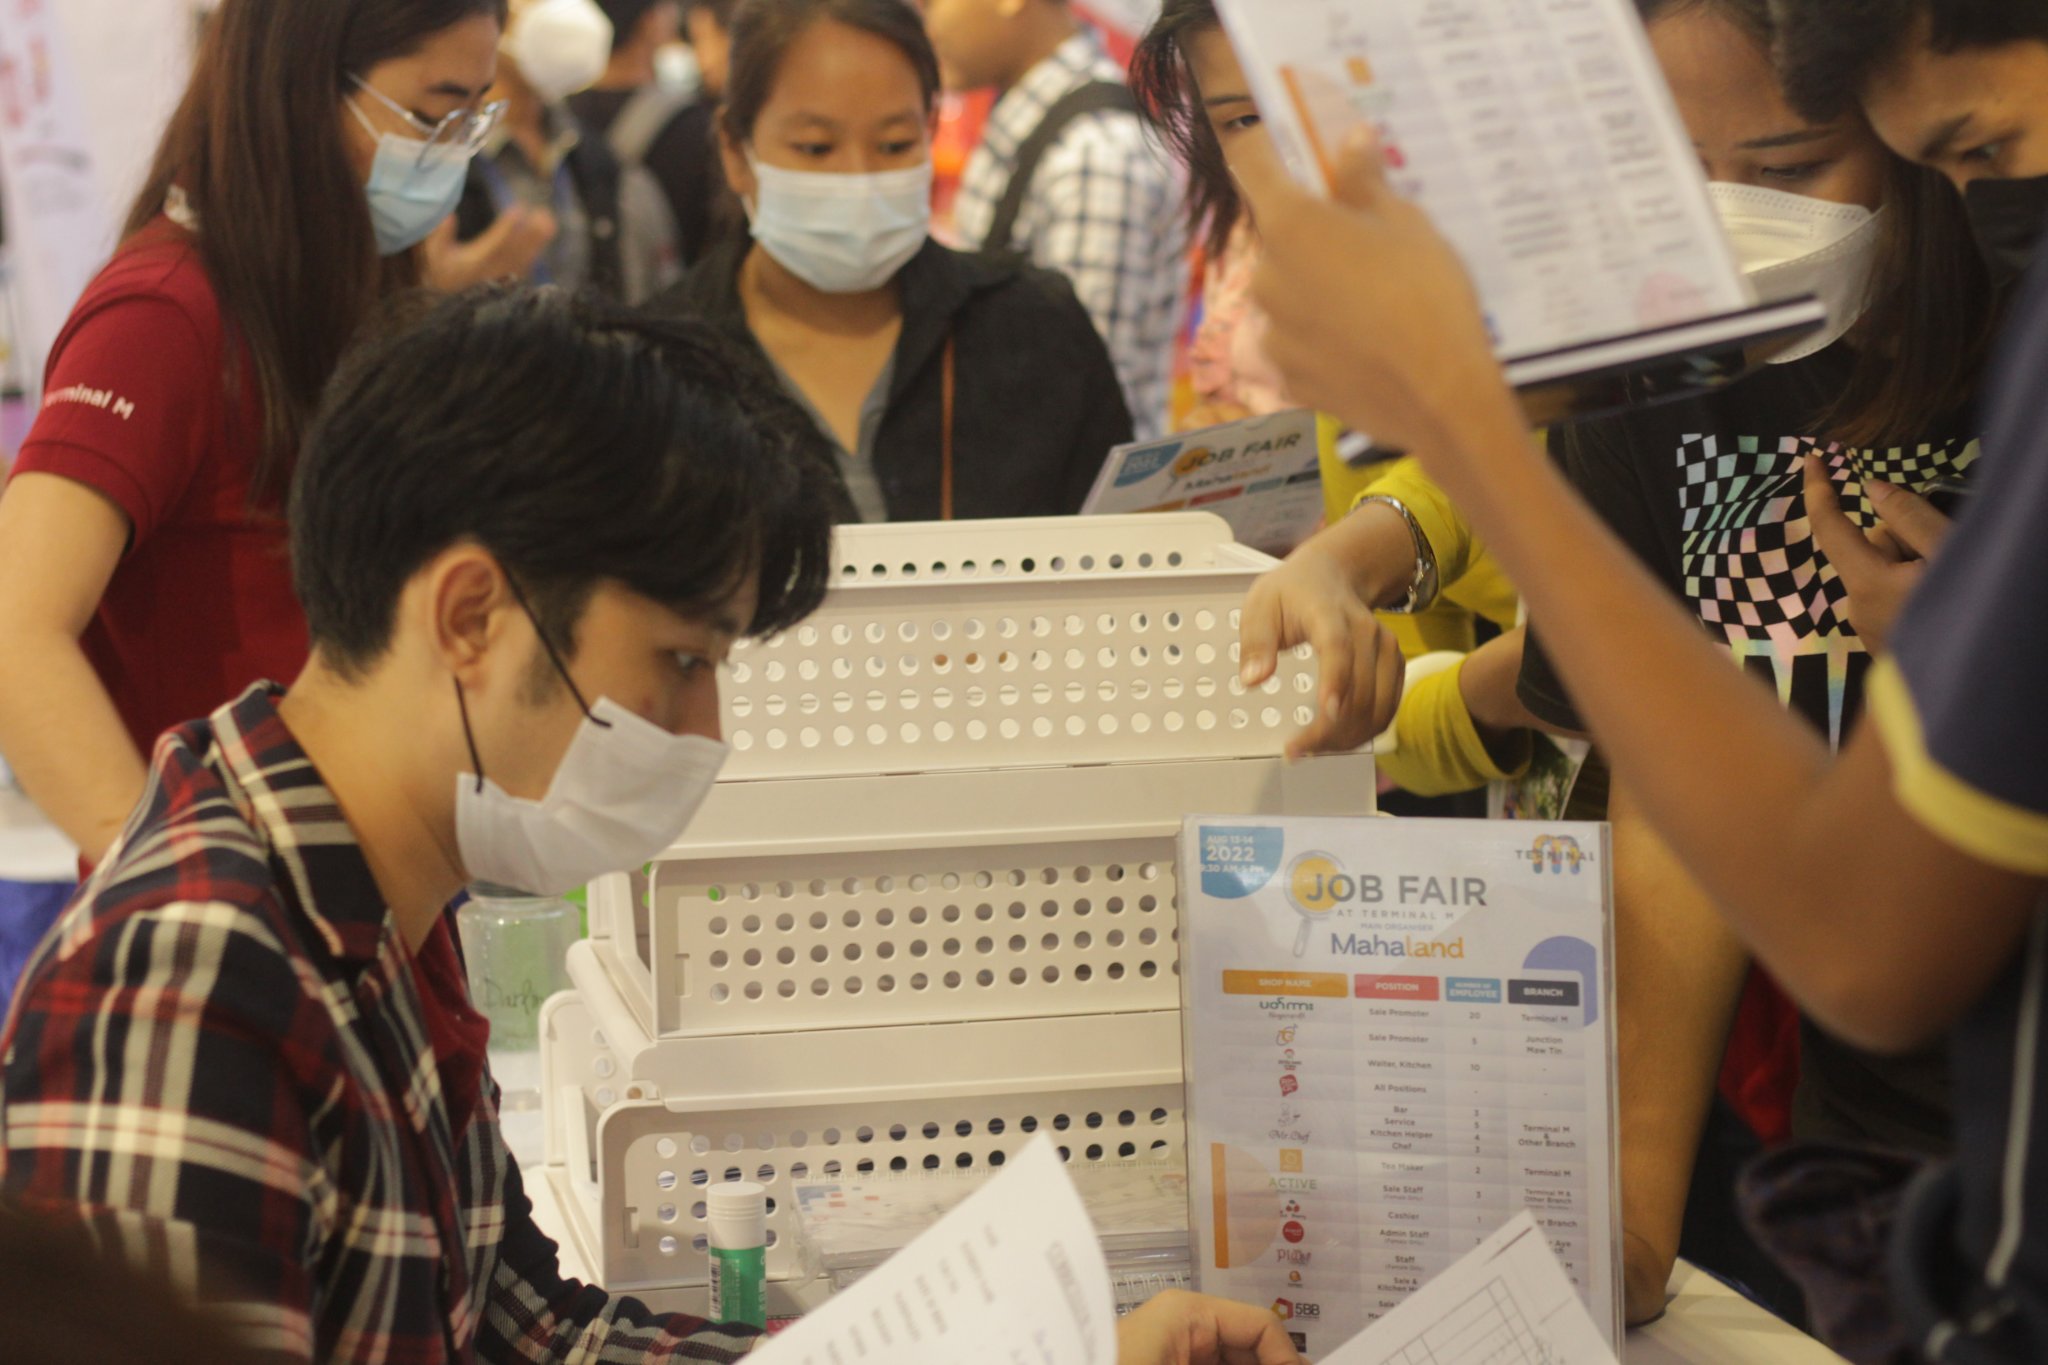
1794	244
842	234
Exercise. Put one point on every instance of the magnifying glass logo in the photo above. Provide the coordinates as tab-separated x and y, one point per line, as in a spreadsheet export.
1311	890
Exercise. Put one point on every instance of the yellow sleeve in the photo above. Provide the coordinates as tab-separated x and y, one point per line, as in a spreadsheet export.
1437	748
1468	575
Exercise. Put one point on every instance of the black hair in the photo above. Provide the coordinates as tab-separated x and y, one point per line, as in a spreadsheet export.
258	148
764	30
1830	50
578	443
1163	82
625	16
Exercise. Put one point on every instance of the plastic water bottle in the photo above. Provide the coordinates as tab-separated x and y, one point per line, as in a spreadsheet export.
736	1231
517	948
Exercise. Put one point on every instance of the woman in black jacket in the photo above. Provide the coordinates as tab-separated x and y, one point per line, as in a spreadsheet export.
951	385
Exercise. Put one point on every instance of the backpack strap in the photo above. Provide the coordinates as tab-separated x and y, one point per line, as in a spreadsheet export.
1096	97
597	184
645	117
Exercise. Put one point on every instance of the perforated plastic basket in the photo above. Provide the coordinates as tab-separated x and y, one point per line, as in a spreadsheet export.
630	1159
860	902
931	907
1016	643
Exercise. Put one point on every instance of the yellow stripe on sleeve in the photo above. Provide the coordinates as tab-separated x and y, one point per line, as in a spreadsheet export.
1985	827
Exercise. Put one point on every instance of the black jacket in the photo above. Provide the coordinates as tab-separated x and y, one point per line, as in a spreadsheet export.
1037	405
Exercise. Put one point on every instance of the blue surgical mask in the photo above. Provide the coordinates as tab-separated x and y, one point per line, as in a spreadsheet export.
414	185
842	234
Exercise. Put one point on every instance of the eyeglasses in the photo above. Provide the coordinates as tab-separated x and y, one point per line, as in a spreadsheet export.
465	130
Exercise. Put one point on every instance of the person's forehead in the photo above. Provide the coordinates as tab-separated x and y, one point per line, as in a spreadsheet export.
843	73
1721	77
1920	93
1214	63
614	606
460	58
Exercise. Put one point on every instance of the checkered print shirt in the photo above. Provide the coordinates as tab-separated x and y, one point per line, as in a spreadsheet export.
218	1064
1104	210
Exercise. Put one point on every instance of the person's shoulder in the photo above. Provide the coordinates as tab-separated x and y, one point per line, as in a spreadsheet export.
159	262
1023	293
1108	135
159	270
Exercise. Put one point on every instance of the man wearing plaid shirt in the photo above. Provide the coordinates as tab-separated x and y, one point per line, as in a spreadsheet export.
245	1059
1101	205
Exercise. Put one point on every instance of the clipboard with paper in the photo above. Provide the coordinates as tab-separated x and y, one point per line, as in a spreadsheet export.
1540	138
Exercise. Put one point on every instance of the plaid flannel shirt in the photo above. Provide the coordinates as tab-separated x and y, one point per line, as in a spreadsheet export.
218	1064
1104	210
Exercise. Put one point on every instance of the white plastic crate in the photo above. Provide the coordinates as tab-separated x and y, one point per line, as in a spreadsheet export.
930	909
1016	643
863	902
630	1156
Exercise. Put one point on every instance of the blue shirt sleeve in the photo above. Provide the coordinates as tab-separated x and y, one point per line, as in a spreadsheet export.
1963	702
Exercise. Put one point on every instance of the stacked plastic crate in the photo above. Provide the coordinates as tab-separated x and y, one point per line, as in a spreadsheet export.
930	910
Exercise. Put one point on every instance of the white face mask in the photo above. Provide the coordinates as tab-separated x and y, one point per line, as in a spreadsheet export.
561	46
842	234
626	789
1793	244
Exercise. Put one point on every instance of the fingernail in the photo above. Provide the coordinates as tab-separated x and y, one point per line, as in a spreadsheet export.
1880	491
1249	673
1333	708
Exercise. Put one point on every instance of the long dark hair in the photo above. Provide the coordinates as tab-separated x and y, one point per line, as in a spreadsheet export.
1164	83
1927	328
764	30
257	147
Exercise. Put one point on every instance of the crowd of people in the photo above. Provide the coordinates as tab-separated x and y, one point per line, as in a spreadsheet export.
485	375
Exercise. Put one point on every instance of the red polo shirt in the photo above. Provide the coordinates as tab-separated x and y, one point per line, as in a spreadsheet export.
137	407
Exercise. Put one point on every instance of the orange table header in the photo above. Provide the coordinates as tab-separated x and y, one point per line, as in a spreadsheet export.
1316	985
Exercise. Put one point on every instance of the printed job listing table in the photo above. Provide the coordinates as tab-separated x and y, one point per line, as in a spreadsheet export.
1398	1039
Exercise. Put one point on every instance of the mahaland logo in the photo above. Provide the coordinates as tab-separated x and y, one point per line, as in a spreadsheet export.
1557	854
1396	945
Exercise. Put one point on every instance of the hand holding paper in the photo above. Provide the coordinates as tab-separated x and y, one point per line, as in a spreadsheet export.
1014	1275
1374	317
1508	1303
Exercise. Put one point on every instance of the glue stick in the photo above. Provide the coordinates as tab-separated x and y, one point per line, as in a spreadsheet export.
736	1218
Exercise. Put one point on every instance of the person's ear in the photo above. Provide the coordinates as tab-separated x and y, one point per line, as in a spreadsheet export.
739	173
468	610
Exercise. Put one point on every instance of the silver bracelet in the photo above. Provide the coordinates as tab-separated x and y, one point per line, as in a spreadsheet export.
1423	587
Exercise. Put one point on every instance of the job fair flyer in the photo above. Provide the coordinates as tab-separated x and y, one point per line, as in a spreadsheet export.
1263	475
1399	1036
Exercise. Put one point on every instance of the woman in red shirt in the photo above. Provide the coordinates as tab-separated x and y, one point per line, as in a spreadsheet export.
144	578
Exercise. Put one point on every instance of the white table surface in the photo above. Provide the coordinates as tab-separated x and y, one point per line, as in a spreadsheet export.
1706	1324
